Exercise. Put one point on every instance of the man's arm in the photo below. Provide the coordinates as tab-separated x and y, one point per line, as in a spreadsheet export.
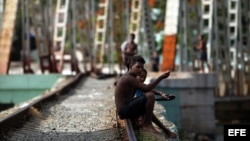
135	51
164	95
157	92
151	86
123	46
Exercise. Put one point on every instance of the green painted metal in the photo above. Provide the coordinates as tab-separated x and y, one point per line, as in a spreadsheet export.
19	88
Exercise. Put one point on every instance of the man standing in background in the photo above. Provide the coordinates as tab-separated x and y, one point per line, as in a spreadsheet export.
128	49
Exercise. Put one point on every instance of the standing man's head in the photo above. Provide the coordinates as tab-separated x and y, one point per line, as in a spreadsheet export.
201	37
155	54
136	64
132	37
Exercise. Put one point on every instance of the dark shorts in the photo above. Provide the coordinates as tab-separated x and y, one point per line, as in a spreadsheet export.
133	108
203	56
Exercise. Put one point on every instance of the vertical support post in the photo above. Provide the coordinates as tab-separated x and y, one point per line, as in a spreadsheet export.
6	35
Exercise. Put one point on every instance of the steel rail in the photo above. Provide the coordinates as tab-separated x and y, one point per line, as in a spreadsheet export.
13	119
130	130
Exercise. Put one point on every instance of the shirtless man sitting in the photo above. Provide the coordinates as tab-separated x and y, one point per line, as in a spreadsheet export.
130	107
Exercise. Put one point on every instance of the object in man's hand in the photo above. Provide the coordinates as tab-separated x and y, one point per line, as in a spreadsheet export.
170	97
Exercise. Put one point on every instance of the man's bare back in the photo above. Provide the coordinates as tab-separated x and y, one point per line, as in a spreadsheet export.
128	84
124	90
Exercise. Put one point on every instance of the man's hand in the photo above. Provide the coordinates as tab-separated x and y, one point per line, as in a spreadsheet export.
165	74
165	96
168	97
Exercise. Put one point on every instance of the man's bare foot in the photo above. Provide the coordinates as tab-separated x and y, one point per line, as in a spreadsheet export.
171	134
150	129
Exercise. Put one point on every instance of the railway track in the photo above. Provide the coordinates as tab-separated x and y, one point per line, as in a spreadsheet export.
80	109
